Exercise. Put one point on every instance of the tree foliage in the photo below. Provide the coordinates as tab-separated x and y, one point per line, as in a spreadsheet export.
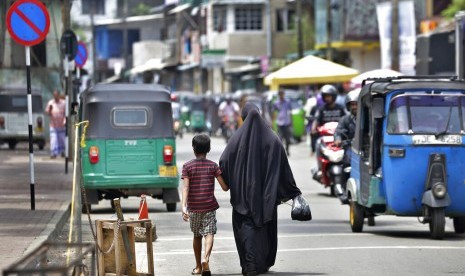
453	8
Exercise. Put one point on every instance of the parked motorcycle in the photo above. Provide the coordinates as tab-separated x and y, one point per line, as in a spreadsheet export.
329	158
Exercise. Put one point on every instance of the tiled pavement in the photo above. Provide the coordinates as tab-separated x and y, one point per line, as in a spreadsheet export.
22	229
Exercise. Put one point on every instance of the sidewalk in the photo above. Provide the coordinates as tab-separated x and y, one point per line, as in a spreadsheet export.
21	229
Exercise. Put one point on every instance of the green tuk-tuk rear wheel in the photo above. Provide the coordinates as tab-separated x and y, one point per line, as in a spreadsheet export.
459	225
437	223
171	207
357	216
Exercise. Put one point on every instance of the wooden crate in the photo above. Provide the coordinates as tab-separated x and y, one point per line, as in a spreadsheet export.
117	260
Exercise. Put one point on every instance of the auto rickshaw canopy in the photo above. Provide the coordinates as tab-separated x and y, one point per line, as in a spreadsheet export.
310	69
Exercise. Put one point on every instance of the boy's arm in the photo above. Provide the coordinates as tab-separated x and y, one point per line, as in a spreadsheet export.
185	192
223	184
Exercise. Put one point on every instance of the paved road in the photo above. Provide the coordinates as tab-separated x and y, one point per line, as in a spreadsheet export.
324	246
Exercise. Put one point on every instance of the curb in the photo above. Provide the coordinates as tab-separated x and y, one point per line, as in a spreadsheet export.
53	228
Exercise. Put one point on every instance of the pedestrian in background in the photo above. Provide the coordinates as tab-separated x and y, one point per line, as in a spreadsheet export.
198	200
56	109
255	167
283	119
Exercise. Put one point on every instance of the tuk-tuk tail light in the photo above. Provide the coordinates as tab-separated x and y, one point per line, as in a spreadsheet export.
93	155
2	122
168	154
439	190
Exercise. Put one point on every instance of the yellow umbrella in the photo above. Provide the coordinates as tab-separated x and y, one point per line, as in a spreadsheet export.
310	69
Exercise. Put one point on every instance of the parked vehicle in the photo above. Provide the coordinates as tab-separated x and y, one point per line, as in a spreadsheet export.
14	120
407	153
130	143
329	158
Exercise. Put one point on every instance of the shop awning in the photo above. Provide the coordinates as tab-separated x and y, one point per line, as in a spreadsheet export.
179	8
151	64
308	70
243	69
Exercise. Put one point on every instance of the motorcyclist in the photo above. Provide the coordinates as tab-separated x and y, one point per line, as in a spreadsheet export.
330	111
228	111
345	132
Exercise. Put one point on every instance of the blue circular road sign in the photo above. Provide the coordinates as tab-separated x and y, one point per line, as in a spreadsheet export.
28	22
81	55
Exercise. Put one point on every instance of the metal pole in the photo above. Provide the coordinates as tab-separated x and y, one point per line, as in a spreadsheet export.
29	111
395	50
459	44
269	32
300	48
329	51
66	113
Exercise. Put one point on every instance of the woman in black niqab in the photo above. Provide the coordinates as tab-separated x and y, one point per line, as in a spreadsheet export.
255	166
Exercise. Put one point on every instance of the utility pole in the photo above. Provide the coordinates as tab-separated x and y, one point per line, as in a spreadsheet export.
300	47
395	49
125	35
329	50
93	10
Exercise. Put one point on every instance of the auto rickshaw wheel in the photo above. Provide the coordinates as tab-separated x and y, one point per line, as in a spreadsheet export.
459	225
171	207
437	223
371	221
357	216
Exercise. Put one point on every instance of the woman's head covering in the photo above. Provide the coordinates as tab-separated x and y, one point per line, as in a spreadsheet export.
255	166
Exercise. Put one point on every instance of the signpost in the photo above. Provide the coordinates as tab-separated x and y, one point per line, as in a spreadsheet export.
28	23
68	46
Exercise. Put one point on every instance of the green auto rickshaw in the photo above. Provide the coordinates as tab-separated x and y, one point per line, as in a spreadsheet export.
130	146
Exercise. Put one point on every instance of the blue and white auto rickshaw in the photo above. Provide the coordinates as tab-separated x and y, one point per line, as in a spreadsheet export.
408	152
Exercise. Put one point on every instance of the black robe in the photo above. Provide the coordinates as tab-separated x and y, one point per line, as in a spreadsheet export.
255	166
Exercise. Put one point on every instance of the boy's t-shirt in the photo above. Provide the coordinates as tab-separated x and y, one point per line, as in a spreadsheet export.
201	174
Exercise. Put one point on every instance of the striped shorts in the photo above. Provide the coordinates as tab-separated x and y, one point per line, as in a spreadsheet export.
203	223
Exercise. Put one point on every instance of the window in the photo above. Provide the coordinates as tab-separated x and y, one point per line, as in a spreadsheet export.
248	18
124	117
285	20
426	114
97	5
219	19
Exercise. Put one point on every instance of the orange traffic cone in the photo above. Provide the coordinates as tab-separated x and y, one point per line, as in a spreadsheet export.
143	209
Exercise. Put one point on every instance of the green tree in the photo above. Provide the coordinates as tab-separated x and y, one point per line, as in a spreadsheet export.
141	9
453	8
308	34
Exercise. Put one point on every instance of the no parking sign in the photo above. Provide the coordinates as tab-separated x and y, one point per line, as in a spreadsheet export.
81	56
28	22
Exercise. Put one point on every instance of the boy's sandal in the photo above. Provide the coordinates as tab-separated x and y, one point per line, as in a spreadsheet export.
196	273
205	269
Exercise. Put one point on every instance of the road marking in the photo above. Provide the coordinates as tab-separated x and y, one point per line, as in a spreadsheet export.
279	237
330	249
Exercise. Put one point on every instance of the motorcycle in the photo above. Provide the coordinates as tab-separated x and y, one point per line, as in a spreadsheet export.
330	162
229	127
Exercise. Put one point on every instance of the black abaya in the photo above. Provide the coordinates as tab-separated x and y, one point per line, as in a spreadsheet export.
255	166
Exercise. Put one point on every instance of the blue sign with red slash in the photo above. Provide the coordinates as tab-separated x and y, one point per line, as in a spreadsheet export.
28	22
81	55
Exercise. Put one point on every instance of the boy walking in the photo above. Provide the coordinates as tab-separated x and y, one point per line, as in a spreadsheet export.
198	200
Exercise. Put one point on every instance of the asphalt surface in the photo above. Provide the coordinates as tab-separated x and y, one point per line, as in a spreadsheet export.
323	246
